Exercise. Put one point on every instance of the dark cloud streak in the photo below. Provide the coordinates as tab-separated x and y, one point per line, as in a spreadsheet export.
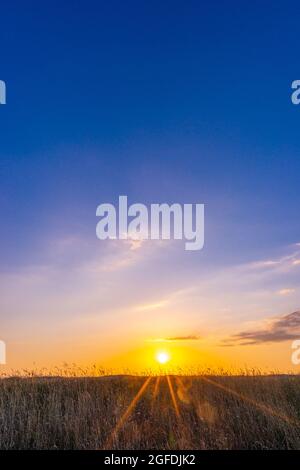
183	338
279	329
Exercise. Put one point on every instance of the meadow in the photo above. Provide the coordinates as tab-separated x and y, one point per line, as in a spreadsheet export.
165	412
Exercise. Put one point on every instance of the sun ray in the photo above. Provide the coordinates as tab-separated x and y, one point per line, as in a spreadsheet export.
127	413
264	408
180	382
173	397
155	392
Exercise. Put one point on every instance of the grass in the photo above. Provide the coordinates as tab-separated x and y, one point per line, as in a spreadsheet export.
128	412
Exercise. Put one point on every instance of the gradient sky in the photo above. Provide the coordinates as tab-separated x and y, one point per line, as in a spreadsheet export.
163	102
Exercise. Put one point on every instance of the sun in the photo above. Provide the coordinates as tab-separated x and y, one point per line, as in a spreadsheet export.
162	357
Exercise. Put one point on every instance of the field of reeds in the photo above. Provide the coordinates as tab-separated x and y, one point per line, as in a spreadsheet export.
167	412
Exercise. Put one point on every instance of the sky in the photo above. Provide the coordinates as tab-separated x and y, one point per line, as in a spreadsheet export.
185	102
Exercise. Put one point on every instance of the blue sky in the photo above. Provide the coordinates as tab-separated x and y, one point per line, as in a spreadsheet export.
161	101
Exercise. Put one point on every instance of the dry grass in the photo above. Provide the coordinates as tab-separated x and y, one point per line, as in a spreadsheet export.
202	412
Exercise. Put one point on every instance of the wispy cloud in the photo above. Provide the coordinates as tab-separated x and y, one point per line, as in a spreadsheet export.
176	338
265	264
183	338
151	306
283	263
276	330
286	291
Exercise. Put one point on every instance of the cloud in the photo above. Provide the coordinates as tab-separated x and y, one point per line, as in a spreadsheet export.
281	264
176	338
183	338
264	264
287	291
286	327
151	306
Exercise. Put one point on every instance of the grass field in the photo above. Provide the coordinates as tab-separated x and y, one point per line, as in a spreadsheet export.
127	412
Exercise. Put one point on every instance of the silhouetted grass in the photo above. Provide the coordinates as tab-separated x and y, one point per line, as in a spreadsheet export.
206	412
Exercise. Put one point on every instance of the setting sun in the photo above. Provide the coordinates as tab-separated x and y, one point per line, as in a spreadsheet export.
162	357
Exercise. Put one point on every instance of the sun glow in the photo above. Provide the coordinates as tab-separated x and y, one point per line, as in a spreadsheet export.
162	357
